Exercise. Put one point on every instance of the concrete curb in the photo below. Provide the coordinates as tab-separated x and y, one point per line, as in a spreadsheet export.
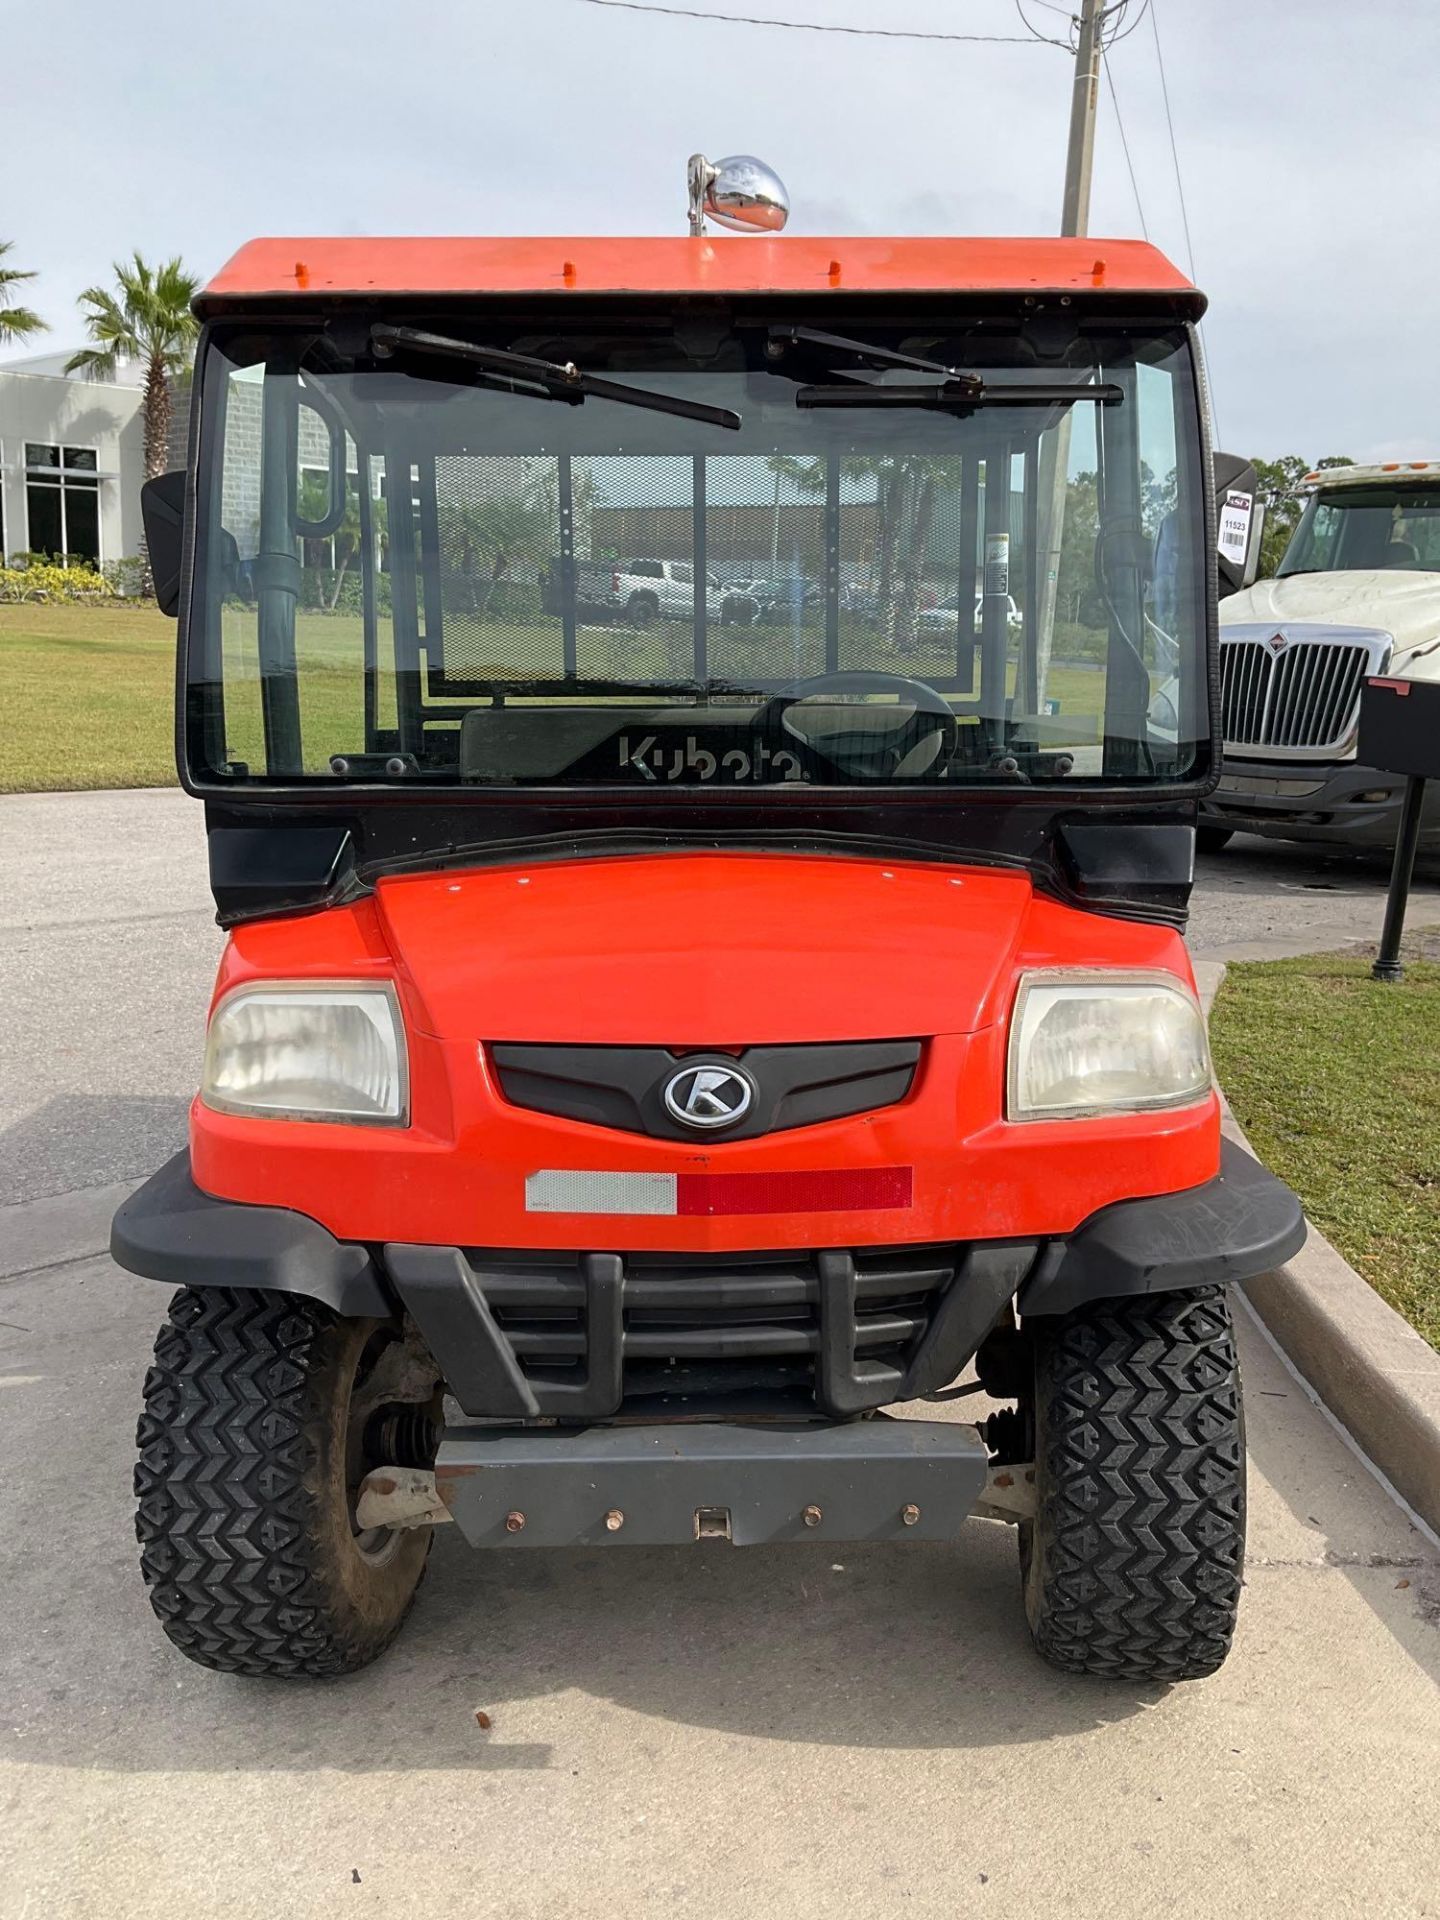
1367	1365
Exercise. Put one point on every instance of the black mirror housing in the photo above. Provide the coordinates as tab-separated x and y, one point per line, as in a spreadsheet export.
162	504
1240	522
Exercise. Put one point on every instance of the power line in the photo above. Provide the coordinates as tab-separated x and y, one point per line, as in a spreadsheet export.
1152	10
1046	39
1125	144
1122	32
812	26
1170	123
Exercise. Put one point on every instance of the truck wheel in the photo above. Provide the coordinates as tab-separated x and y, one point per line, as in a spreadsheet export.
1213	839
246	1480
642	610
1132	1565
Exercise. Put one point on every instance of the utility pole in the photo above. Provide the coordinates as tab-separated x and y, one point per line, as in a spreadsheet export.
1084	98
1074	222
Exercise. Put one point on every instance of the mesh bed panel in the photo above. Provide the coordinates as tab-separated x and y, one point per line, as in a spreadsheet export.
546	570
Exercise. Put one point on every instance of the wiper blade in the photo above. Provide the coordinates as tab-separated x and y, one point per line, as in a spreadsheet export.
953	395
864	350
542	379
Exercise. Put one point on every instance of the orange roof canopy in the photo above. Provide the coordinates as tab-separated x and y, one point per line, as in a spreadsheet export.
791	264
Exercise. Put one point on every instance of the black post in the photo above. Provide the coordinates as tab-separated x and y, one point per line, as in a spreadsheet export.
832	563
1387	965
700	573
567	568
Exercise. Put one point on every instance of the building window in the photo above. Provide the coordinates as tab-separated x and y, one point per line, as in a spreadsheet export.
62	502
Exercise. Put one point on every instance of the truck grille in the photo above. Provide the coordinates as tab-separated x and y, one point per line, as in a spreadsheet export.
576	1337
1295	688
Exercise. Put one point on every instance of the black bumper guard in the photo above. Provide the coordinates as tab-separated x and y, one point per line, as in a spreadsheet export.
867	1328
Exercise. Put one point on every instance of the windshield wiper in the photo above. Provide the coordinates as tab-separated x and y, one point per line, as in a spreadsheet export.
958	387
863	350
966	392
542	379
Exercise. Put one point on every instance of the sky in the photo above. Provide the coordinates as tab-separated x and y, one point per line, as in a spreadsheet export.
1307	134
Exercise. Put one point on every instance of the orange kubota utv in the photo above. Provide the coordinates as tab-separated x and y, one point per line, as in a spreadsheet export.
704	912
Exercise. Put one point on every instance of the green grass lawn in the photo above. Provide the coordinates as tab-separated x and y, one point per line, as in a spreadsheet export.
87	697
1336	1081
87	692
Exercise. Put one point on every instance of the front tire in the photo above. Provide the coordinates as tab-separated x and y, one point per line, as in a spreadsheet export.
1132	1565
1213	839
246	1480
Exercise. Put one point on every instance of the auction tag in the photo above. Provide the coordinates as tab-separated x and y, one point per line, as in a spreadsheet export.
1236	511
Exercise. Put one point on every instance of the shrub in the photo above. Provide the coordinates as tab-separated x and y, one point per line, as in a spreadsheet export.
126	577
40	579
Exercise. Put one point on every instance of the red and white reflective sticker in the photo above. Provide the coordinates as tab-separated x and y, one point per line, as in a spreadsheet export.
830	1190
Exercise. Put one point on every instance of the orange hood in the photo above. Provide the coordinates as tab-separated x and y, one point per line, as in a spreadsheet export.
706	950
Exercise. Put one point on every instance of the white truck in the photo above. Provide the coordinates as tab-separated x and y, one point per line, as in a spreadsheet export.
1357	593
641	591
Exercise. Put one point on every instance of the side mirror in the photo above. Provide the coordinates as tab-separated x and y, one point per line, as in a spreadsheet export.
162	506
1240	522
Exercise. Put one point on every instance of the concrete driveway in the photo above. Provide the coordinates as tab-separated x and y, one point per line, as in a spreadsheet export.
704	1733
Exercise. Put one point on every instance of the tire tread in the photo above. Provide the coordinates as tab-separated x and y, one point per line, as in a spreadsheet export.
1137	1550
227	1485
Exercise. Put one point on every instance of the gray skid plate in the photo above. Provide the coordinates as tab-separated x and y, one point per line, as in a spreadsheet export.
671	1484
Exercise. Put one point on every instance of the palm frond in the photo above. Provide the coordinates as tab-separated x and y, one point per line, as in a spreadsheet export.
16	323
102	362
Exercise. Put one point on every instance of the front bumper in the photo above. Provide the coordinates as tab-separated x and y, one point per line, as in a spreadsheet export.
1316	800
577	1337
762	1485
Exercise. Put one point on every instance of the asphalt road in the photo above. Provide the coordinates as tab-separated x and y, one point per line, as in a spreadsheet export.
704	1733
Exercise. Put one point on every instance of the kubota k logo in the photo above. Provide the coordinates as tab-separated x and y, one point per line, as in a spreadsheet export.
709	1096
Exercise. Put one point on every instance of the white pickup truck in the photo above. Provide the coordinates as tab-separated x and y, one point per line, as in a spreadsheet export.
644	590
1357	593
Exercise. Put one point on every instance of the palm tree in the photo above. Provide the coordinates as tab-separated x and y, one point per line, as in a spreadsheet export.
145	317
907	489
344	542
16	323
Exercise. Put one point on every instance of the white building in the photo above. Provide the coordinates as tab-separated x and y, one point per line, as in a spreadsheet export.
71	460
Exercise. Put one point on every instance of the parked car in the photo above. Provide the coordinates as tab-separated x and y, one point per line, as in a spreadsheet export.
943	618
642	591
791	598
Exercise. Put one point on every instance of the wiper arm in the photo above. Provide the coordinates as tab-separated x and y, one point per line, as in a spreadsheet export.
542	379
863	350
963	394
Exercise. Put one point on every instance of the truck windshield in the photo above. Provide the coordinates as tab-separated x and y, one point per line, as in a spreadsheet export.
1362	528
435	566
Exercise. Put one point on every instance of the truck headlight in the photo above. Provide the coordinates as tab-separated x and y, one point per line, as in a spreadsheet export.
1097	1043
296	1051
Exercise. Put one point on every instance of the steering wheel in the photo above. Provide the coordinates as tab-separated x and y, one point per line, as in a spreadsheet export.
931	734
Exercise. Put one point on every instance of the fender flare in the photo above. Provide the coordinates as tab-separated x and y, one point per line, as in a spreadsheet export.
172	1231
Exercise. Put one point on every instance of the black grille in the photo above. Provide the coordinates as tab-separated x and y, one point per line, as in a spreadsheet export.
624	1087
577	1336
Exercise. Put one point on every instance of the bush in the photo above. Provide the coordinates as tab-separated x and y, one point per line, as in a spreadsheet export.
126	577
37	578
317	588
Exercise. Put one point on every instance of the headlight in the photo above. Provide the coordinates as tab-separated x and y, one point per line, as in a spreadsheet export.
1087	1044
300	1052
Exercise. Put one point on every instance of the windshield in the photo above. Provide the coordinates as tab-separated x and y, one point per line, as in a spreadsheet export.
1362	528
698	556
